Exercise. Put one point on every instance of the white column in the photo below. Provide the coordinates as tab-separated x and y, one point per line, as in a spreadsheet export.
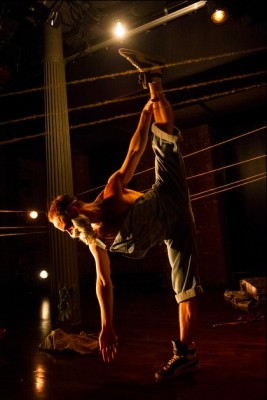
63	253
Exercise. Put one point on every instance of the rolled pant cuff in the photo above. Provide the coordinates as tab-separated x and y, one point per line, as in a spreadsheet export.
188	294
163	135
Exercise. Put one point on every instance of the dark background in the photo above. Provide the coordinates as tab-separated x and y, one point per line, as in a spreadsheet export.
215	77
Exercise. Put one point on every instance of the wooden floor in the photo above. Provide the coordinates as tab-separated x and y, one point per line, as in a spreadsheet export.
232	356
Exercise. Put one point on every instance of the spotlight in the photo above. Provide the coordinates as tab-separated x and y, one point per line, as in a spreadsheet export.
218	12
119	30
33	214
43	274
53	19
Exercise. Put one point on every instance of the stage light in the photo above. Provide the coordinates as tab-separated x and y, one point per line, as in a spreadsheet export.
144	28
43	274
53	19
218	12
33	214
119	30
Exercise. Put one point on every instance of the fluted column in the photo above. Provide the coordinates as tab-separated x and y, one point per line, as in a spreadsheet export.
63	253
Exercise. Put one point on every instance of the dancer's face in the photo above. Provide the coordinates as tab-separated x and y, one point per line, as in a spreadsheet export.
82	228
64	223
79	230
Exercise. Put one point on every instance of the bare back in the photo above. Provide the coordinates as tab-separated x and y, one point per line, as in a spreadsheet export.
115	201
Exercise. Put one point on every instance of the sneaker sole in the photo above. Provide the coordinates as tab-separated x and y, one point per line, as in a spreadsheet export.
182	371
133	55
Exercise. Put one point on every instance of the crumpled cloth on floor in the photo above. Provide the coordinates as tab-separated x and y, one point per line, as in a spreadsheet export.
241	299
244	301
60	341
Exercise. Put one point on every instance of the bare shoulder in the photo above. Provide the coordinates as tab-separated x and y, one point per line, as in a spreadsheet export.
114	186
115	177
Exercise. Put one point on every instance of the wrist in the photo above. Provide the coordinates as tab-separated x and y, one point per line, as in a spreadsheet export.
147	111
106	327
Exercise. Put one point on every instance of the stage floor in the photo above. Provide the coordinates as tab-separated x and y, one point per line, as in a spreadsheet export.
232	353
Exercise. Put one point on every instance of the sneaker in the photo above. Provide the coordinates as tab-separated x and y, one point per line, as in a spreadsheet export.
148	66
183	361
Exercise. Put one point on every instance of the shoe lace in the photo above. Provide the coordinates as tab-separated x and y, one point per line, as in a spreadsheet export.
171	361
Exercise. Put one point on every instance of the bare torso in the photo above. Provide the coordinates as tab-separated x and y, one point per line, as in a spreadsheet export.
114	207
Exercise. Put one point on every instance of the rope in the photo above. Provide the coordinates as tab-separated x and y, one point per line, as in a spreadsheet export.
194	153
139	96
225	188
193	197
23	227
130	72
196	196
225	167
117	117
225	141
20	234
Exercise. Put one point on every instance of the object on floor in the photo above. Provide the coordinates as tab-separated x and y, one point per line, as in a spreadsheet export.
243	301
240	299
256	286
60	341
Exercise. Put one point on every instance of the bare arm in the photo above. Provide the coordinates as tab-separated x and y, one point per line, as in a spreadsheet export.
104	292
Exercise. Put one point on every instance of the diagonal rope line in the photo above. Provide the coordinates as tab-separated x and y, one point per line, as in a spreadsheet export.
20	211
212	170
172	64
28	137
130	72
20	234
24	227
180	103
181	88
185	156
216	95
225	141
199	195
241	183
262	174
139	96
196	152
225	167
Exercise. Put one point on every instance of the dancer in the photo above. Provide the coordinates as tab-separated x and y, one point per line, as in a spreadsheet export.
130	222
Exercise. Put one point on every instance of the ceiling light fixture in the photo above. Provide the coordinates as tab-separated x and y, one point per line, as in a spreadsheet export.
53	18
33	214
218	12
119	30
143	28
